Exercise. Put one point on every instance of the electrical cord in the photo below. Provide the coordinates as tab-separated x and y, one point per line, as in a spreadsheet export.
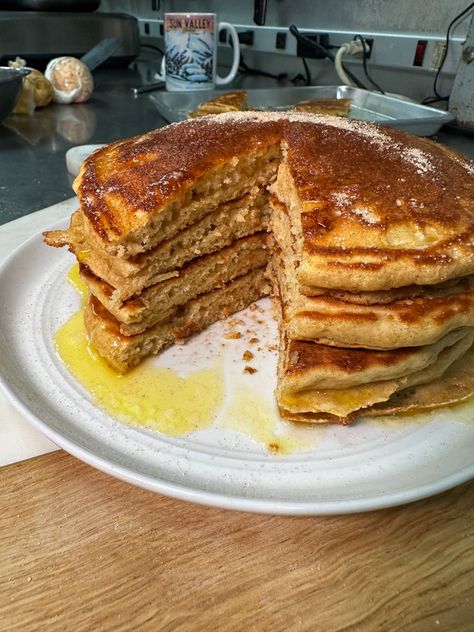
365	56
309	42
357	45
438	96
244	68
349	48
307	72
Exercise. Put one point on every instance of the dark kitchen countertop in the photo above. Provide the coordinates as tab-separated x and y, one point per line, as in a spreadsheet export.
33	172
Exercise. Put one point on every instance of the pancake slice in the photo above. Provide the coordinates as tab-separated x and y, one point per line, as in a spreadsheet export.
414	316
456	385
229	102
203	274
404	323
333	107
141	191
372	212
125	352
218	229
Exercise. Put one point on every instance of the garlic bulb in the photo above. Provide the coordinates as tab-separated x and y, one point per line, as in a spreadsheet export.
36	90
42	87
71	79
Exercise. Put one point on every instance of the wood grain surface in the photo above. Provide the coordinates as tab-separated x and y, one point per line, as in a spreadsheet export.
82	551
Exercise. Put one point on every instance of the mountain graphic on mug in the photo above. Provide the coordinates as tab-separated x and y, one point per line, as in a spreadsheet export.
189	55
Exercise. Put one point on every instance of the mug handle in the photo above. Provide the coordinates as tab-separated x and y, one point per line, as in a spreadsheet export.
220	81
161	76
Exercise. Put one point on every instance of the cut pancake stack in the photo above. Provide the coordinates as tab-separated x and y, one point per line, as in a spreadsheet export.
365	235
170	235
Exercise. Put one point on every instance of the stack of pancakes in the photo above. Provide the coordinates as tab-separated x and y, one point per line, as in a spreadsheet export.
170	234
365	234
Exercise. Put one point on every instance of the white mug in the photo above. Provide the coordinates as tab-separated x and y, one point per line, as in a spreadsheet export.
191	51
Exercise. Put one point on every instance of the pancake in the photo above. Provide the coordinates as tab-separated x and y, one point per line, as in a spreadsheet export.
454	386
410	321
333	107
124	352
373	210
356	226
411	316
300	391
310	365
370	251
139	192
404	323
228	102
128	277
203	274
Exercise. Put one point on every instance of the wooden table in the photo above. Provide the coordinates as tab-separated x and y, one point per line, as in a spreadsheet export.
85	552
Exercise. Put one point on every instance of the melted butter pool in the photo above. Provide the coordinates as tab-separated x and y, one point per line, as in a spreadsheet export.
160	399
148	396
252	415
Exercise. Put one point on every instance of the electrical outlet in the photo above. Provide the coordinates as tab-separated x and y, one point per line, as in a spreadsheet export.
370	44
439	49
305	49
246	37
389	50
280	41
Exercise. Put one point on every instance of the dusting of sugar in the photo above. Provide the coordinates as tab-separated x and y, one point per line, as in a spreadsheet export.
418	158
464	162
365	214
341	198
167	178
373	134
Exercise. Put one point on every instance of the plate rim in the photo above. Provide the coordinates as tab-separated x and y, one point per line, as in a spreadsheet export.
238	503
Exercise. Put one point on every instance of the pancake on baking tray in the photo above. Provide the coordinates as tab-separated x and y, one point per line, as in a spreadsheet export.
227	102
332	107
237	102
363	235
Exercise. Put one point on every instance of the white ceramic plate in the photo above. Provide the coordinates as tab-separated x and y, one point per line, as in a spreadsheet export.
342	469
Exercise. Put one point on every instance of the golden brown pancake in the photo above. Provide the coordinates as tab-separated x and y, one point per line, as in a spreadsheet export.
201	275
370	249
228	102
407	322
455	385
411	316
355	380
332	107
125	352
128	277
139	192
373	209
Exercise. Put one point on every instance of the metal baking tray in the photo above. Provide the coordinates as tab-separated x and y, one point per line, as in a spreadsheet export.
366	106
